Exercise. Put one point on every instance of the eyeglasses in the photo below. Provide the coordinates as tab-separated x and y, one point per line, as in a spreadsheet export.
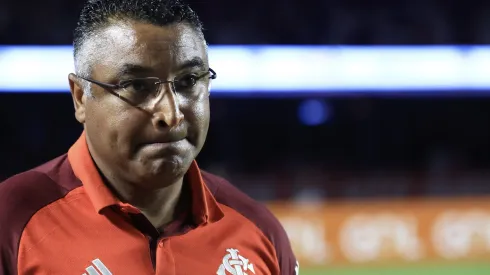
140	90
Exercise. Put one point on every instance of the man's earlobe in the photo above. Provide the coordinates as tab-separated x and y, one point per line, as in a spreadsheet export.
78	96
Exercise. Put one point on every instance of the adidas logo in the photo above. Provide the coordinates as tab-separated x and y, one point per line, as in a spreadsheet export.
97	268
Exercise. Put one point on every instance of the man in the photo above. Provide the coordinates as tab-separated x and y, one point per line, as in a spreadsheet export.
128	198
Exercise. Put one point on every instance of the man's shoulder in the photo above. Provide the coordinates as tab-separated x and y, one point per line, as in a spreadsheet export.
55	173
22	195
227	194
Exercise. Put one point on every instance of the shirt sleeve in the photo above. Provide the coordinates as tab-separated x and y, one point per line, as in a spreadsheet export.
287	261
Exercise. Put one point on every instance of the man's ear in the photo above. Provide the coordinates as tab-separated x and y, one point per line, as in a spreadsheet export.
79	97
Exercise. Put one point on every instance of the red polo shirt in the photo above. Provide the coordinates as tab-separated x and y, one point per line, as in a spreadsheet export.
60	218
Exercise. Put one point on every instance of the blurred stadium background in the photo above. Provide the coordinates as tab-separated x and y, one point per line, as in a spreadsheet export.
370	144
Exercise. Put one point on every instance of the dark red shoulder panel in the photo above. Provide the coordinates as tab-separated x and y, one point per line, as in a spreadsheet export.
21	196
229	195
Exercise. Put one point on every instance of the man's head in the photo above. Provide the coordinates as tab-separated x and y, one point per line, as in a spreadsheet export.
148	137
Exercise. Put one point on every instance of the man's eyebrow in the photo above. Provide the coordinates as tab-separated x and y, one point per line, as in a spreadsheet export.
195	62
133	69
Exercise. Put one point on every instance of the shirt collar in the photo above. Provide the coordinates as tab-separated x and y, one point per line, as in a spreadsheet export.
204	208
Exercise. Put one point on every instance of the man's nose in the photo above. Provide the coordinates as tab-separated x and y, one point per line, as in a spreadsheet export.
166	111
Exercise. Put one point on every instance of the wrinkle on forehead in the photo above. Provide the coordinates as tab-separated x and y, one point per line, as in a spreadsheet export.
174	40
112	42
144	44
98	47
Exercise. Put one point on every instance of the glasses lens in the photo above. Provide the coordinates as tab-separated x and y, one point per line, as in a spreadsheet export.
139	90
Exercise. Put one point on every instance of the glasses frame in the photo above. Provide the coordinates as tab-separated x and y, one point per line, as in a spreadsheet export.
126	83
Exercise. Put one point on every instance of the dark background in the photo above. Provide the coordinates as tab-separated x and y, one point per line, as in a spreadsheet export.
358	22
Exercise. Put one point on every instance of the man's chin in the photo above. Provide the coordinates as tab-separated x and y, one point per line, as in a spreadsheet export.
162	172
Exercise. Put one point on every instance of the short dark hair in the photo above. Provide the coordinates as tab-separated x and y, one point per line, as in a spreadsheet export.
97	14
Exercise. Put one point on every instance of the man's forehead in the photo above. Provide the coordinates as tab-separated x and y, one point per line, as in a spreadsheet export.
144	43
135	33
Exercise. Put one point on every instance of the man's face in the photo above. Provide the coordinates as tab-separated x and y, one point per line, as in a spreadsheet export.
153	143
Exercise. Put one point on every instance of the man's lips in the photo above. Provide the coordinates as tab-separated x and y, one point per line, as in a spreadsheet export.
171	147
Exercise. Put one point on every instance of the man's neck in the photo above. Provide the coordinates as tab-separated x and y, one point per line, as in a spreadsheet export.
157	205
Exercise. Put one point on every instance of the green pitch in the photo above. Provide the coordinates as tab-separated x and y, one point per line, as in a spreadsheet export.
429	269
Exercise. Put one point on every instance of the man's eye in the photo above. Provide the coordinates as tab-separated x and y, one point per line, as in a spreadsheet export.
186	81
143	85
